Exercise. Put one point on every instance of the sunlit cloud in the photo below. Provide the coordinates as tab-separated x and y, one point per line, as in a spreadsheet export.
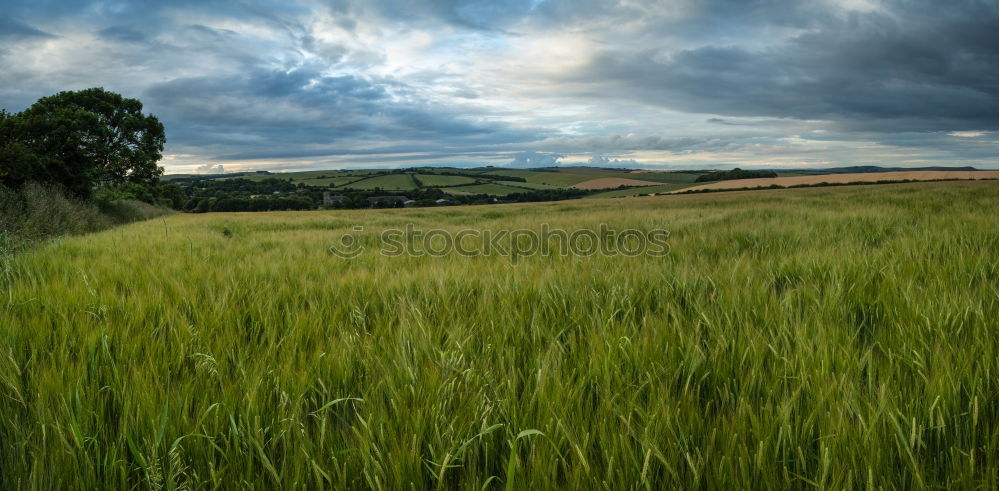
967	134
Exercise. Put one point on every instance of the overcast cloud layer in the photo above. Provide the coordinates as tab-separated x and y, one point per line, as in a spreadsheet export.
674	84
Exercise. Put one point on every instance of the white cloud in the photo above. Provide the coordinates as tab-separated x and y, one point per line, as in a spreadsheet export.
526	160
602	161
967	134
210	169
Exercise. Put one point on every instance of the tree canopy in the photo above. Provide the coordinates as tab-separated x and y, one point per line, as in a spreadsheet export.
82	140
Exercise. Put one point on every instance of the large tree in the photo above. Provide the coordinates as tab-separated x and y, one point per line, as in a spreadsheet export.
81	140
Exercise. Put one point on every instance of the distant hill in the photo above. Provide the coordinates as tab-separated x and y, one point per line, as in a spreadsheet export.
428	186
575	169
864	169
174	177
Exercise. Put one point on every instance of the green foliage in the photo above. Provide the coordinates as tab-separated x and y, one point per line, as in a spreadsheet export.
837	338
35	213
169	195
203	205
737	173
79	140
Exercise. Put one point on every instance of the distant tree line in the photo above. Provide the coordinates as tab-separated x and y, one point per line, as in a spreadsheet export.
737	173
259	204
217	187
546	195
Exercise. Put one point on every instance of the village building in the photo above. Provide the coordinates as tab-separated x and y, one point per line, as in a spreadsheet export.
329	199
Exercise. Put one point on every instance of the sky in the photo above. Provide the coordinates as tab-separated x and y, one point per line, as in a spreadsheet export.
298	85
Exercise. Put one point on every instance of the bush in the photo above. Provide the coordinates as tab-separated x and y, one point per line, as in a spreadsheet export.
130	210
38	212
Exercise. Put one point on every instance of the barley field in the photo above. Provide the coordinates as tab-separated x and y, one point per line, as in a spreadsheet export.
836	338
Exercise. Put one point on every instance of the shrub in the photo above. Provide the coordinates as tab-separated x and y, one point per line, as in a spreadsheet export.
37	212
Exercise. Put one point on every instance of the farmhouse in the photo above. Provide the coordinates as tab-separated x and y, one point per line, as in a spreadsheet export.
329	199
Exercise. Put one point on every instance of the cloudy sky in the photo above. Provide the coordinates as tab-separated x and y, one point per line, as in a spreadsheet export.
288	85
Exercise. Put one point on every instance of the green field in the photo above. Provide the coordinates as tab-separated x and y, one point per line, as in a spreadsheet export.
665	177
431	180
570	176
838	338
512	173
397	182
639	191
311	178
527	185
329	181
567	179
446	170
559	178
492	189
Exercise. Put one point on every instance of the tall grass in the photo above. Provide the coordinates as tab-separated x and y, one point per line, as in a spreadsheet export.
834	338
36	213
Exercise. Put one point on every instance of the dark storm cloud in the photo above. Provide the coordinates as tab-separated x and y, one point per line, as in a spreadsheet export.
11	29
122	33
264	109
473	14
632	143
919	65
270	80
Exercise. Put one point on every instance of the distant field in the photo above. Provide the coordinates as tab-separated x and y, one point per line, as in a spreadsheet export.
314	178
831	338
439	180
794	173
329	181
612	182
665	177
398	182
494	189
844	178
511	173
312	174
527	185
567	179
640	191
436	170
